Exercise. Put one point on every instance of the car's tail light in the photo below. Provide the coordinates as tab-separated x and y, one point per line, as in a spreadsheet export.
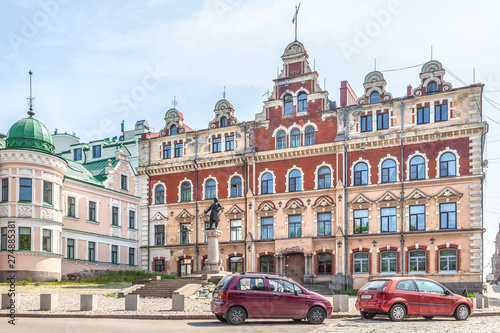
223	295
386	287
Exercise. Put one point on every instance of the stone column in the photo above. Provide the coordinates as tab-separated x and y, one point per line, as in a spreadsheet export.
213	263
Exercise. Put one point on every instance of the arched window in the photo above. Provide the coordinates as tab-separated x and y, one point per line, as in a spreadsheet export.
302	102
417	168
281	140
447	165
374	97
432	88
324	176
210	189
295	181
159	194
361	174
388	171
185	192
288	104
388	262
236	187
267	183
361	262
173	130
295	138
309	136
223	122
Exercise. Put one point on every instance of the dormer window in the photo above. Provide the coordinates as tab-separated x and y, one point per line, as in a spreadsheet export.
288	104
223	122
374	97
432	88
173	130
302	102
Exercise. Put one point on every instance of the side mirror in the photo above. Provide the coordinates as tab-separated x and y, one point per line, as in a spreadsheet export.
295	292
446	292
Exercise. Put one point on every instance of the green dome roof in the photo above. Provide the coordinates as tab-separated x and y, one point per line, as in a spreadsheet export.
30	134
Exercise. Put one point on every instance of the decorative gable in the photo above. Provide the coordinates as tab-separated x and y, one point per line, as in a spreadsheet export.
418	195
174	117
158	217
293	206
266	208
432	71
388	197
374	82
360	199
184	216
448	194
223	109
324	204
235	212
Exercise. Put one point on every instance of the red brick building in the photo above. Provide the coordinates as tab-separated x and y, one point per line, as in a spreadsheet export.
321	192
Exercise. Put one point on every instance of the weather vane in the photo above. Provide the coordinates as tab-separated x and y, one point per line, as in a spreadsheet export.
295	19
174	103
31	98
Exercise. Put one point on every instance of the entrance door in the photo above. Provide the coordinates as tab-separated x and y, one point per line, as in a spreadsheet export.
294	268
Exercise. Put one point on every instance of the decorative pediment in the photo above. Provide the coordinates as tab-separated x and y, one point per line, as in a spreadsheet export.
374	82
174	117
417	195
184	216
324	203
158	217
223	109
360	199
432	71
235	211
448	192
294	205
266	208
388	197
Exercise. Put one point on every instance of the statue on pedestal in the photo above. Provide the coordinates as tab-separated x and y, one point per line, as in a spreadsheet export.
214	214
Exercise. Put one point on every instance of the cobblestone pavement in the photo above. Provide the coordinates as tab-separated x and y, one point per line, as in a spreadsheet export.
410	325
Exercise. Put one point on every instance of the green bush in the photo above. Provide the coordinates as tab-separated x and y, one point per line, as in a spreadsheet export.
470	295
350	292
37	284
125	276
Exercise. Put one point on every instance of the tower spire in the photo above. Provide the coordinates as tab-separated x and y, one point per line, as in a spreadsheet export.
31	98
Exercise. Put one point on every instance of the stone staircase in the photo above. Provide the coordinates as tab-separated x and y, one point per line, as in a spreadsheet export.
322	289
162	288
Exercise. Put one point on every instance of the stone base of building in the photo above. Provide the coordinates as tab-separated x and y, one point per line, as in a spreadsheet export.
35	276
458	287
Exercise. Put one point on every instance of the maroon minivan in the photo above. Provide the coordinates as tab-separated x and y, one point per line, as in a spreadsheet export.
253	295
402	296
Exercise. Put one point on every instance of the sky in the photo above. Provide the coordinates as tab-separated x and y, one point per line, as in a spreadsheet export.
96	63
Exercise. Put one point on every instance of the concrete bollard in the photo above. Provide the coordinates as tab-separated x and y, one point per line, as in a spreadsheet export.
340	303
7	301
132	302
177	302
473	300
479	302
49	301
486	302
88	302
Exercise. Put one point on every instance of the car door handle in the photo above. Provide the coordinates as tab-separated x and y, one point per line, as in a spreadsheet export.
276	295
242	293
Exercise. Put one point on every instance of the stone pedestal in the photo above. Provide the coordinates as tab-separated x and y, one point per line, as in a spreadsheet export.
213	264
132	302
88	302
9	302
177	302
340	303
49	301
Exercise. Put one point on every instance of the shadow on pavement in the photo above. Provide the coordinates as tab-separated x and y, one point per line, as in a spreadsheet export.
250	322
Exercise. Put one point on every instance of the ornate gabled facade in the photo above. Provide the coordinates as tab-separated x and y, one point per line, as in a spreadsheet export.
496	256
379	186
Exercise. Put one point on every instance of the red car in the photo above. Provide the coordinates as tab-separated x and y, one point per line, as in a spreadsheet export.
253	295
399	297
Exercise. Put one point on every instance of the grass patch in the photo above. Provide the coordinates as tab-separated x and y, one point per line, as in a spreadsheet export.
124	276
350	292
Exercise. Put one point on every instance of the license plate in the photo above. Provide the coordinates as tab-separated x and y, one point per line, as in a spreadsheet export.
366	296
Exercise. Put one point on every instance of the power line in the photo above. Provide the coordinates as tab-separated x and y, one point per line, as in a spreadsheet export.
402	68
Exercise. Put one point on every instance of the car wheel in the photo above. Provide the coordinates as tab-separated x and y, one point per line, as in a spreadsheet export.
397	312
220	318
461	312
428	317
316	315
367	315
297	319
236	315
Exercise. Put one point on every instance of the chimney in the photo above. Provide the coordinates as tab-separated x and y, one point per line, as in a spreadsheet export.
408	90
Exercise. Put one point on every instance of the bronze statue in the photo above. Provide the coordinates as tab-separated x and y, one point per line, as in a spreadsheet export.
214	214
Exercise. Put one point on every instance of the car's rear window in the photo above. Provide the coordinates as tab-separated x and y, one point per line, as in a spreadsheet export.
224	282
374	285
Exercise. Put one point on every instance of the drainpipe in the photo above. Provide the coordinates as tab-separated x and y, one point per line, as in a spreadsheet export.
346	251
149	201
402	191
482	184
196	197
245	196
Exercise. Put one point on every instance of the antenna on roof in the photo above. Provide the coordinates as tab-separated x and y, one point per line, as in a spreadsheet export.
174	103
314	67
224	93
431	52
266	93
31	98
294	20
374	64
473	75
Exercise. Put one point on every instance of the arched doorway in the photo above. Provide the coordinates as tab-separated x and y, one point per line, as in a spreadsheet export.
294	267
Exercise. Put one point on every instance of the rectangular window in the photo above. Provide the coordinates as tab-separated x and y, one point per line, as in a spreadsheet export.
46	240
124	182
361	262
383	121
184	239
229	143
70	248
5	190
24	189
417	217
77	154
417	261
131	219
266	228
167	151
361	221
47	193
366	123
91	251
448	215
294	226
235	231
159	234
96	151
324	263
388	262
3	239
423	115
216	145
179	150
25	239
447	261
267	264
441	112
388	219
114	215
114	254
131	256
71	207
324	224
92	211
